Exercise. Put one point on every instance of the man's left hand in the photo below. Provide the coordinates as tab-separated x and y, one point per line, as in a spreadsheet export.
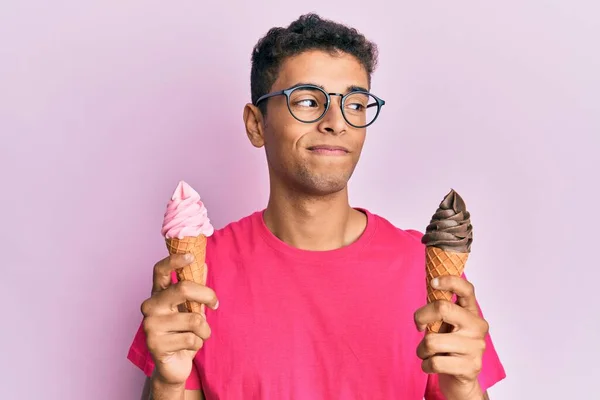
456	353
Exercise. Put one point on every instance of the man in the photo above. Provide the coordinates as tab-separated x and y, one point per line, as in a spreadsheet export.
318	300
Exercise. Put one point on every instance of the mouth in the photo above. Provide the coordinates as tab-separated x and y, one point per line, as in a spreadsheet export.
328	150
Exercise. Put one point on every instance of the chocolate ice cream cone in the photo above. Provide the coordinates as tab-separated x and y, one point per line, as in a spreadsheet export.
448	239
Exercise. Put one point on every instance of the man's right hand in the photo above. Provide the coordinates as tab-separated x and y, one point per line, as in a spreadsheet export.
173	337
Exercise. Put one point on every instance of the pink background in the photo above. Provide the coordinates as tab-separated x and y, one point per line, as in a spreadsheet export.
105	105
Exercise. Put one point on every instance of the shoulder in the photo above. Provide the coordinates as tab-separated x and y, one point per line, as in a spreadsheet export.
235	237
393	233
401	253
241	226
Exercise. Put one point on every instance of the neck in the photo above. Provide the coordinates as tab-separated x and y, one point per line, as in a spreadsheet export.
317	223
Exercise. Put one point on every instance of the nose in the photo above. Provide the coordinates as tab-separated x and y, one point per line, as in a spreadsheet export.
333	122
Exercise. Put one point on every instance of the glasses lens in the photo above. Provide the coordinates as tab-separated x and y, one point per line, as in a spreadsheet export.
360	109
308	104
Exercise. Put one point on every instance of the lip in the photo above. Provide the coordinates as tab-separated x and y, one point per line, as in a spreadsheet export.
328	150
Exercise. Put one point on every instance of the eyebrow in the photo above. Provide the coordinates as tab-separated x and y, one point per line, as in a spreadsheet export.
351	88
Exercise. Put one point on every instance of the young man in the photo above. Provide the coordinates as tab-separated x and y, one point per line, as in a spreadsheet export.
318	300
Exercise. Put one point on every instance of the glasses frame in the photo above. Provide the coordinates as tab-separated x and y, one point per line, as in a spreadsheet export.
287	92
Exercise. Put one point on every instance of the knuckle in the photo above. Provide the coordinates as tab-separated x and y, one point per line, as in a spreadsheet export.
146	308
482	346
416	317
420	350
477	366
470	288
442	307
207	332
190	340
184	288
429	343
157	267
485	326
195	319
147	326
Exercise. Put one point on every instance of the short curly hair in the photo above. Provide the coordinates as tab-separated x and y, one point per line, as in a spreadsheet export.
309	32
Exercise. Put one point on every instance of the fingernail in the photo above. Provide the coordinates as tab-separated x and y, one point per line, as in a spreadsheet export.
189	257
435	282
216	305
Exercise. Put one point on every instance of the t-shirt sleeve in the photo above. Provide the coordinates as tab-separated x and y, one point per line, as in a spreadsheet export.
492	371
415	233
140	356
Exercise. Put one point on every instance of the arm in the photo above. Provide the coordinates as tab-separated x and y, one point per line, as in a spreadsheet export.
188	394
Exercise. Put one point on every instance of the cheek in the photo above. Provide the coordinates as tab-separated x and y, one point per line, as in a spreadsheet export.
285	135
283	142
360	141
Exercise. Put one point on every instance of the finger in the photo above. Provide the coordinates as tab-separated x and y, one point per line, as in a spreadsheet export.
178	323
464	290
452	365
166	301
204	276
452	343
442	310
175	342
162	270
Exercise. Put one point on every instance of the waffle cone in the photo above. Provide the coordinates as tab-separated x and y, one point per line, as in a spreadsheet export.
196	271
440	263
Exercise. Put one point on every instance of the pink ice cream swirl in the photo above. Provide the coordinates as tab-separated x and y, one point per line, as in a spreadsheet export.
186	215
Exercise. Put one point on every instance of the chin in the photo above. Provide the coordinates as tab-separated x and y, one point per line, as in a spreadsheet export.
320	181
322	186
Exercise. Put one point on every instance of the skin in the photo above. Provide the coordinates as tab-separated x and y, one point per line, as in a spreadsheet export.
308	208
174	337
308	205
456	352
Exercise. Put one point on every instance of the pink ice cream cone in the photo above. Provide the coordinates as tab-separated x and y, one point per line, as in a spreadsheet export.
186	227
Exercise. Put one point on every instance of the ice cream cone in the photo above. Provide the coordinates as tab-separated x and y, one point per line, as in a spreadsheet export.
440	263
196	271
447	241
186	227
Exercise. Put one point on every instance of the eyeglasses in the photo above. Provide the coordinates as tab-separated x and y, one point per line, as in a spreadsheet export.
310	103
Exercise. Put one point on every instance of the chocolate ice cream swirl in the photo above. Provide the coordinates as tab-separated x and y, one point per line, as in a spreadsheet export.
450	227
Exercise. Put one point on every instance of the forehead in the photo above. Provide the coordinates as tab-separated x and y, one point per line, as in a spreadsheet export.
336	72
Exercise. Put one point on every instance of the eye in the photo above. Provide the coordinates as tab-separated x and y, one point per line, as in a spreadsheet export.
306	103
355	106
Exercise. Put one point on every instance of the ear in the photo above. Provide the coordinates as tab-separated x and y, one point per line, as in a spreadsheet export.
254	125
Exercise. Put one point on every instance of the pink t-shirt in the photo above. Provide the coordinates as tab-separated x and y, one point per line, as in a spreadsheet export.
297	324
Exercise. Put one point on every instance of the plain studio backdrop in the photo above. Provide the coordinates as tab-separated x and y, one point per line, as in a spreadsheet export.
106	105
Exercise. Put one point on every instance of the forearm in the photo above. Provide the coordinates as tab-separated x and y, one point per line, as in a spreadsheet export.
475	393
164	391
